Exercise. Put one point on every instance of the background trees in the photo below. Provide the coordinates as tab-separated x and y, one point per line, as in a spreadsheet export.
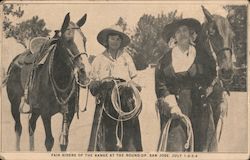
24	31
147	45
237	16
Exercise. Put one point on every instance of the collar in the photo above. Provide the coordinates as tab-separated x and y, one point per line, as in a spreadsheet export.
108	55
190	52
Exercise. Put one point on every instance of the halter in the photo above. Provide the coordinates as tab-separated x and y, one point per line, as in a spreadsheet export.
216	61
76	73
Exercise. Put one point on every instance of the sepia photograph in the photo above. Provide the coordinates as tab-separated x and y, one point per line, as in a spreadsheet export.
124	80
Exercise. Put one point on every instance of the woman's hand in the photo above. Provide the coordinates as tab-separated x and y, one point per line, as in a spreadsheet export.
94	87
167	108
175	112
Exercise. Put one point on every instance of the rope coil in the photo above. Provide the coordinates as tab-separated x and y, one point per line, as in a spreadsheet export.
164	136
122	116
116	101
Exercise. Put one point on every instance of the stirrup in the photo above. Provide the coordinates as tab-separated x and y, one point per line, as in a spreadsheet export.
24	107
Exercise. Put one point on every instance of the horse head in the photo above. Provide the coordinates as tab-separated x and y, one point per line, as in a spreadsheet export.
218	35
68	50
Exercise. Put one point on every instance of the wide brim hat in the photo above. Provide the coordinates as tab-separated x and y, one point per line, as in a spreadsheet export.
170	29
103	35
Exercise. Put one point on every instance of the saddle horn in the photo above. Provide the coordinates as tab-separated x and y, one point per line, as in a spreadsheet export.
207	14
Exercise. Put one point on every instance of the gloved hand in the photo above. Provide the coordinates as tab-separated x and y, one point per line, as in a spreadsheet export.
168	106
175	112
163	107
94	87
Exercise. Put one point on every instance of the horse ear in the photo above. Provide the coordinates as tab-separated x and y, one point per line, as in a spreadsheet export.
65	23
82	21
207	14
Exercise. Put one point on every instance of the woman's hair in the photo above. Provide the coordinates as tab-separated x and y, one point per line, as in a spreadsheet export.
193	36
107	39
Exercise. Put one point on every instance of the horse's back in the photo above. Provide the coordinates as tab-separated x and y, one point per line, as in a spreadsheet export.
13	83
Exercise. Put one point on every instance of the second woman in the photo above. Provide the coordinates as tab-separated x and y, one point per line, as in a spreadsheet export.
116	125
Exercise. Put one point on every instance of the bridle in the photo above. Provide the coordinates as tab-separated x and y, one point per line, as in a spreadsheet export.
76	69
73	57
75	80
218	69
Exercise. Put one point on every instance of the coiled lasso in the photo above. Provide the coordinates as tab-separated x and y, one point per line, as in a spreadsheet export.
123	116
164	136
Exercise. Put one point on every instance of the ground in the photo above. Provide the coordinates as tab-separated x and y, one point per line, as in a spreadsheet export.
234	136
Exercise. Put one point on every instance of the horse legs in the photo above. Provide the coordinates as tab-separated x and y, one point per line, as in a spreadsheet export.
18	126
67	119
49	140
64	133
32	127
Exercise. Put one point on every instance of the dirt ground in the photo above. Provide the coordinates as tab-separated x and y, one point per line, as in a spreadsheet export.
234	135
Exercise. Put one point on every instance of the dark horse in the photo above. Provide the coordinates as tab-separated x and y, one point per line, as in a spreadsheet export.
55	86
217	40
113	130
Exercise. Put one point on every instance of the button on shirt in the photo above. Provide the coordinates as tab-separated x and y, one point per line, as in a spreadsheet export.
105	66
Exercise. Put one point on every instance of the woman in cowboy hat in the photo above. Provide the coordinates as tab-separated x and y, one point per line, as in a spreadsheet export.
114	62
181	77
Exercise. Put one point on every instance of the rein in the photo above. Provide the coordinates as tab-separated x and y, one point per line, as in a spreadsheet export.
218	80
75	70
55	88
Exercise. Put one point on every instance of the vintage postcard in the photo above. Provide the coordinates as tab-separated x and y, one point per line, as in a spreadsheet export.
124	80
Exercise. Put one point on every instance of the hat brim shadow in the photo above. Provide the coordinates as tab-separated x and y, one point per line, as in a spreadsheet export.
170	29
103	35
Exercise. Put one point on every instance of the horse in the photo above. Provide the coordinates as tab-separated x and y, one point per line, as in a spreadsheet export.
55	86
116	125
216	38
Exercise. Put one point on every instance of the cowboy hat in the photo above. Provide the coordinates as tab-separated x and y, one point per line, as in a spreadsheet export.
170	29
103	35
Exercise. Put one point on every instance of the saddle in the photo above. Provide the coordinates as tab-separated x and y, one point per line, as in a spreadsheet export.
36	52
30	59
